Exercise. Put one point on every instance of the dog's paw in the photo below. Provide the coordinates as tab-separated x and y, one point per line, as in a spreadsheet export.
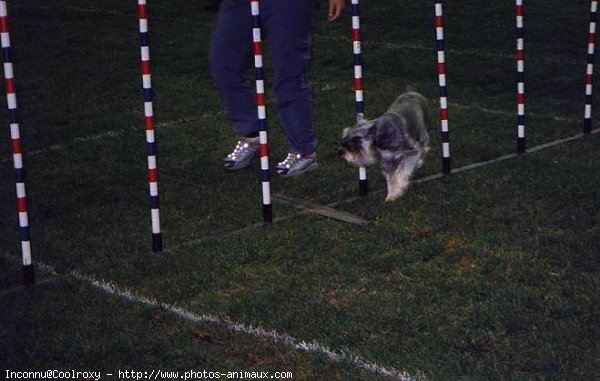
396	187
391	197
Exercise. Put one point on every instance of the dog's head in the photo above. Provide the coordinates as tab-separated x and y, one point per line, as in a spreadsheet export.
357	143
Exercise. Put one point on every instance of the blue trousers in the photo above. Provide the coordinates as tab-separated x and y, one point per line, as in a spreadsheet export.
288	26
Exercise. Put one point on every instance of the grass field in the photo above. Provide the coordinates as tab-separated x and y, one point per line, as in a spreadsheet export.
488	274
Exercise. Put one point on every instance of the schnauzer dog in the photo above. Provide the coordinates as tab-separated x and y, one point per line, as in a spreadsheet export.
400	136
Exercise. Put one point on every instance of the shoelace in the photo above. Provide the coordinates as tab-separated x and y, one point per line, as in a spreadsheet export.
239	147
290	159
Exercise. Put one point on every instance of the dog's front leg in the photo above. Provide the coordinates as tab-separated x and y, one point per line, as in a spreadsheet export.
398	174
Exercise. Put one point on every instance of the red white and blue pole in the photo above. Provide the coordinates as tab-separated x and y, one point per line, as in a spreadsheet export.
157	242
589	74
439	30
265	174
520	77
363	185
15	143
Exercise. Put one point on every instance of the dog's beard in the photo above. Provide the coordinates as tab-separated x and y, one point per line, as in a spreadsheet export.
359	159
362	157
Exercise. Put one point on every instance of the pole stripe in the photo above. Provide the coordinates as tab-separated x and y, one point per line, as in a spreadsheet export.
589	74
520	57
265	175
441	68
16	147
4	24
363	185
151	150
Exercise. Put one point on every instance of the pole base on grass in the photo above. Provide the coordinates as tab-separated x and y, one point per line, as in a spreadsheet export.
28	275
363	187
446	166
521	145
157	242
267	213
587	126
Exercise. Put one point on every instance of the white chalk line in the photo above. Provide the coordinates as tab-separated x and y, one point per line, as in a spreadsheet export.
308	347
83	139
312	347
87	10
508	113
91	10
302	209
132	13
106	134
79	9
432	48
379	44
412	46
256	225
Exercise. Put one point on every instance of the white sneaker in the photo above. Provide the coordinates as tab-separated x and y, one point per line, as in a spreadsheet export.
243	153
295	164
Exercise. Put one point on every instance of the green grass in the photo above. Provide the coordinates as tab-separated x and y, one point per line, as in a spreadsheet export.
64	324
491	274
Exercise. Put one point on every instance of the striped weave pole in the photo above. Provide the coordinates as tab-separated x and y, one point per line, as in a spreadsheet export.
589	74
265	175
363	184
439	30
15	140
157	244
520	77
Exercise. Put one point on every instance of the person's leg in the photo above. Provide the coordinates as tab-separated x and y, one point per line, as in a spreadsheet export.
289	25
230	57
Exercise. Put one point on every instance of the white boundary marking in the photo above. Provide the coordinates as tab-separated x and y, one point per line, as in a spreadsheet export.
109	134
86	10
428	48
91	10
413	46
230	325
102	12
256	225
282	338
83	139
510	113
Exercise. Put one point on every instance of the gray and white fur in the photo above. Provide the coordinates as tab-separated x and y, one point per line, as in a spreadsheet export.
400	135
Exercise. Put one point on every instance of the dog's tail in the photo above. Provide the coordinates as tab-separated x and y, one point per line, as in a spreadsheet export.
410	89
